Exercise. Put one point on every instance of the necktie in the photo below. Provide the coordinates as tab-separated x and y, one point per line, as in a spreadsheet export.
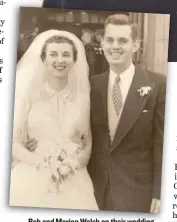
116	95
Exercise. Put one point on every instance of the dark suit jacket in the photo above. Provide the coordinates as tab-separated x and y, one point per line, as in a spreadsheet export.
133	162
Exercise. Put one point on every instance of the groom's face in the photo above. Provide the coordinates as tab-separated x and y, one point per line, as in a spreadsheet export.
118	44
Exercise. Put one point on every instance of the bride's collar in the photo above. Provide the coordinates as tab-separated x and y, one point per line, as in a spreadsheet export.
52	92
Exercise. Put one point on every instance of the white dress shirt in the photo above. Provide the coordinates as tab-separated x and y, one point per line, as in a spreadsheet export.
125	82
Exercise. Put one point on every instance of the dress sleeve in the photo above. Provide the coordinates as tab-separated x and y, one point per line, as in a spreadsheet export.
158	138
84	151
20	133
20	122
79	158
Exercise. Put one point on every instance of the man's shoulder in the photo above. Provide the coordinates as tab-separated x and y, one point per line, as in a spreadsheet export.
97	78
156	77
151	76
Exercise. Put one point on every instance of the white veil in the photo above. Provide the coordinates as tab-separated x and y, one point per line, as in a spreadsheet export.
30	75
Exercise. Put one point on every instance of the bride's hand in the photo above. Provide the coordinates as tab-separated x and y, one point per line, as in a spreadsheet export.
73	148
57	168
73	151
31	144
64	170
41	162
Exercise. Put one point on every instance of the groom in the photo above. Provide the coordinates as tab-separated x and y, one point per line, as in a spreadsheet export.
127	120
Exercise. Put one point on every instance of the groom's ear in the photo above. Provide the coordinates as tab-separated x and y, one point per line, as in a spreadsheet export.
136	45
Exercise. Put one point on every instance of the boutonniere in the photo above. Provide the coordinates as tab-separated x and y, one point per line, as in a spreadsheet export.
144	90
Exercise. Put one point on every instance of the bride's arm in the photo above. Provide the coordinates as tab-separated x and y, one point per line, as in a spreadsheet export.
20	132
81	156
20	153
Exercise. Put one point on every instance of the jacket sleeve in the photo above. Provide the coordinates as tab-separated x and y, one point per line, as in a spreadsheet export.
158	138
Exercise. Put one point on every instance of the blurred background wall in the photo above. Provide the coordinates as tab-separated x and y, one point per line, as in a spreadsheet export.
153	31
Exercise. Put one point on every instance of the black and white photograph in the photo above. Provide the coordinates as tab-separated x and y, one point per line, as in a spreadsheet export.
89	110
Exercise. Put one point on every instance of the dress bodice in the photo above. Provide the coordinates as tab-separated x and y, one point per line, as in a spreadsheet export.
52	118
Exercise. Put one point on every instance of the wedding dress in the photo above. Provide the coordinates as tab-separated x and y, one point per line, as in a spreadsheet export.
49	117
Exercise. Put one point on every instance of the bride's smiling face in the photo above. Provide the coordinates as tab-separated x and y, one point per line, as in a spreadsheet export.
59	59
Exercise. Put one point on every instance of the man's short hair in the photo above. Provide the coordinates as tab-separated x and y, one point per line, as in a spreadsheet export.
120	19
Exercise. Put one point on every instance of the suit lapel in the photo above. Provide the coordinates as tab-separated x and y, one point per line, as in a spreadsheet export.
133	106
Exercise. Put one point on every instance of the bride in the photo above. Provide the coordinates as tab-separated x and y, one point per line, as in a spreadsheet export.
52	105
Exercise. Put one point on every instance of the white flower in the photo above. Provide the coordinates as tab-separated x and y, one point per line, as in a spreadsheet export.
144	90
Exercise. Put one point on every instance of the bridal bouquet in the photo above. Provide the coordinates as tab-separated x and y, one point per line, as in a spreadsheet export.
59	160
